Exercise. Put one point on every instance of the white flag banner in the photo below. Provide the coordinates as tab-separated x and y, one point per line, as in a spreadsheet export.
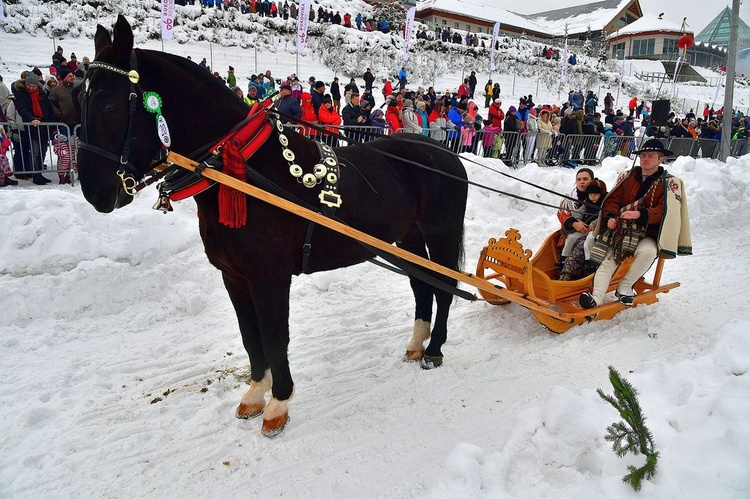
674	76
2	10
303	18
564	71
408	29
716	94
495	32
167	19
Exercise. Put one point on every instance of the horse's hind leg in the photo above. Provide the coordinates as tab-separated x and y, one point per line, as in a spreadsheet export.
253	402
414	243
446	250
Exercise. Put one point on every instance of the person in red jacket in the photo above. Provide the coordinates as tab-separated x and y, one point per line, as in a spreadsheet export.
632	106
387	88
393	116
328	115
464	89
496	115
308	114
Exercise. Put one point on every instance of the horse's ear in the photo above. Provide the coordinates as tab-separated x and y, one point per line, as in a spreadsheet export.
123	42
102	40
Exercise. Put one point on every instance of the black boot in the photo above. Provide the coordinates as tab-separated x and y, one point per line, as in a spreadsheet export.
39	179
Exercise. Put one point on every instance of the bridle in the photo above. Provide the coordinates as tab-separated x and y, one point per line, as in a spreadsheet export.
128	172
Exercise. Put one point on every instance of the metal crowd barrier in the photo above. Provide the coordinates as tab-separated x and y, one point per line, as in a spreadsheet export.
35	149
40	149
739	147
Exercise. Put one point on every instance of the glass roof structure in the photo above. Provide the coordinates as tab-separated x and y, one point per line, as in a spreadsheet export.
717	31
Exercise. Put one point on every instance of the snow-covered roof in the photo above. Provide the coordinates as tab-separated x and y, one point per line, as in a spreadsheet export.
483	10
578	18
649	23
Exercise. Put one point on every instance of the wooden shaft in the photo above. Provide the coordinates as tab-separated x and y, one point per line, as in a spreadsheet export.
339	227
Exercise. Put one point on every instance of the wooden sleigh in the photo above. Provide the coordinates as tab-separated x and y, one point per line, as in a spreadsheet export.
532	282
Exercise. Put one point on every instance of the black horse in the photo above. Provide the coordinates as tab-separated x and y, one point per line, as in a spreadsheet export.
422	211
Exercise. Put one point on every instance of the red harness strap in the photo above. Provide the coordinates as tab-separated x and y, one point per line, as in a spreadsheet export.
236	148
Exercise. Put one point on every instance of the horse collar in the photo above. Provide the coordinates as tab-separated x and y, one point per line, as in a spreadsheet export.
327	168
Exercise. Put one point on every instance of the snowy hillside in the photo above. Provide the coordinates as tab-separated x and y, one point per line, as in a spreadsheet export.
213	33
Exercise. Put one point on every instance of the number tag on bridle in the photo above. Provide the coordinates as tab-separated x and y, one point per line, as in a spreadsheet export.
152	102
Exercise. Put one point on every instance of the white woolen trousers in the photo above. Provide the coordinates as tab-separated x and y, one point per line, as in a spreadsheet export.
645	254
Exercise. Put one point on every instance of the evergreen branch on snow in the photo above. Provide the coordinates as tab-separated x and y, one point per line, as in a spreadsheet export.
631	434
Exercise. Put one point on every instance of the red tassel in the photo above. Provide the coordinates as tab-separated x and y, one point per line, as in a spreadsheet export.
232	203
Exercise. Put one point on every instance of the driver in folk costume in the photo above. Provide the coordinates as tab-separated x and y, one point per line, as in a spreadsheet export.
654	199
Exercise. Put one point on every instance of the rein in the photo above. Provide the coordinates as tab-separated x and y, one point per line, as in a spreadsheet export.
420	165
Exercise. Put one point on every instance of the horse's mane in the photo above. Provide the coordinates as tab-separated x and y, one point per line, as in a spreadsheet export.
205	96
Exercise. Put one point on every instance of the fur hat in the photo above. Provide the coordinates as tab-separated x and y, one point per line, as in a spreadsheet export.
594	188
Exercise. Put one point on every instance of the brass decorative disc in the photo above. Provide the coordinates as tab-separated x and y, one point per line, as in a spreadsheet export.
332	178
320	171
295	170
133	76
309	180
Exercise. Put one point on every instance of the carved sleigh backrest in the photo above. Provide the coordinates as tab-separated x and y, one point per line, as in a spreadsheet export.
509	259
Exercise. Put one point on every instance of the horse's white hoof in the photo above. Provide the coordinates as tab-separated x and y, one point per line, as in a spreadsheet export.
413	355
274	427
275	417
249	411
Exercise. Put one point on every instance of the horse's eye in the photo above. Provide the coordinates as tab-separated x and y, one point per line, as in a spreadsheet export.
107	105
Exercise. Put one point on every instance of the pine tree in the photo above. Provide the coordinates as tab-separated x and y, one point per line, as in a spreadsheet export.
630	435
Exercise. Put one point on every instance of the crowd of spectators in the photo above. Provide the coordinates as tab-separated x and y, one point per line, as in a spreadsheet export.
522	132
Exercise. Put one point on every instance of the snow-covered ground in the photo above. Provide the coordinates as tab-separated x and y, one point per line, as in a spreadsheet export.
122	362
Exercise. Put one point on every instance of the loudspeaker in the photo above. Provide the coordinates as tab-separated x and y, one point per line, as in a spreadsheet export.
659	112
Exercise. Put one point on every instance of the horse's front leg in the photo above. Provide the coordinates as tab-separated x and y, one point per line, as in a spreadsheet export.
253	402
271	298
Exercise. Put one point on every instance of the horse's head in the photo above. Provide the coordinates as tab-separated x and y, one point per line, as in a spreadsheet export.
118	135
